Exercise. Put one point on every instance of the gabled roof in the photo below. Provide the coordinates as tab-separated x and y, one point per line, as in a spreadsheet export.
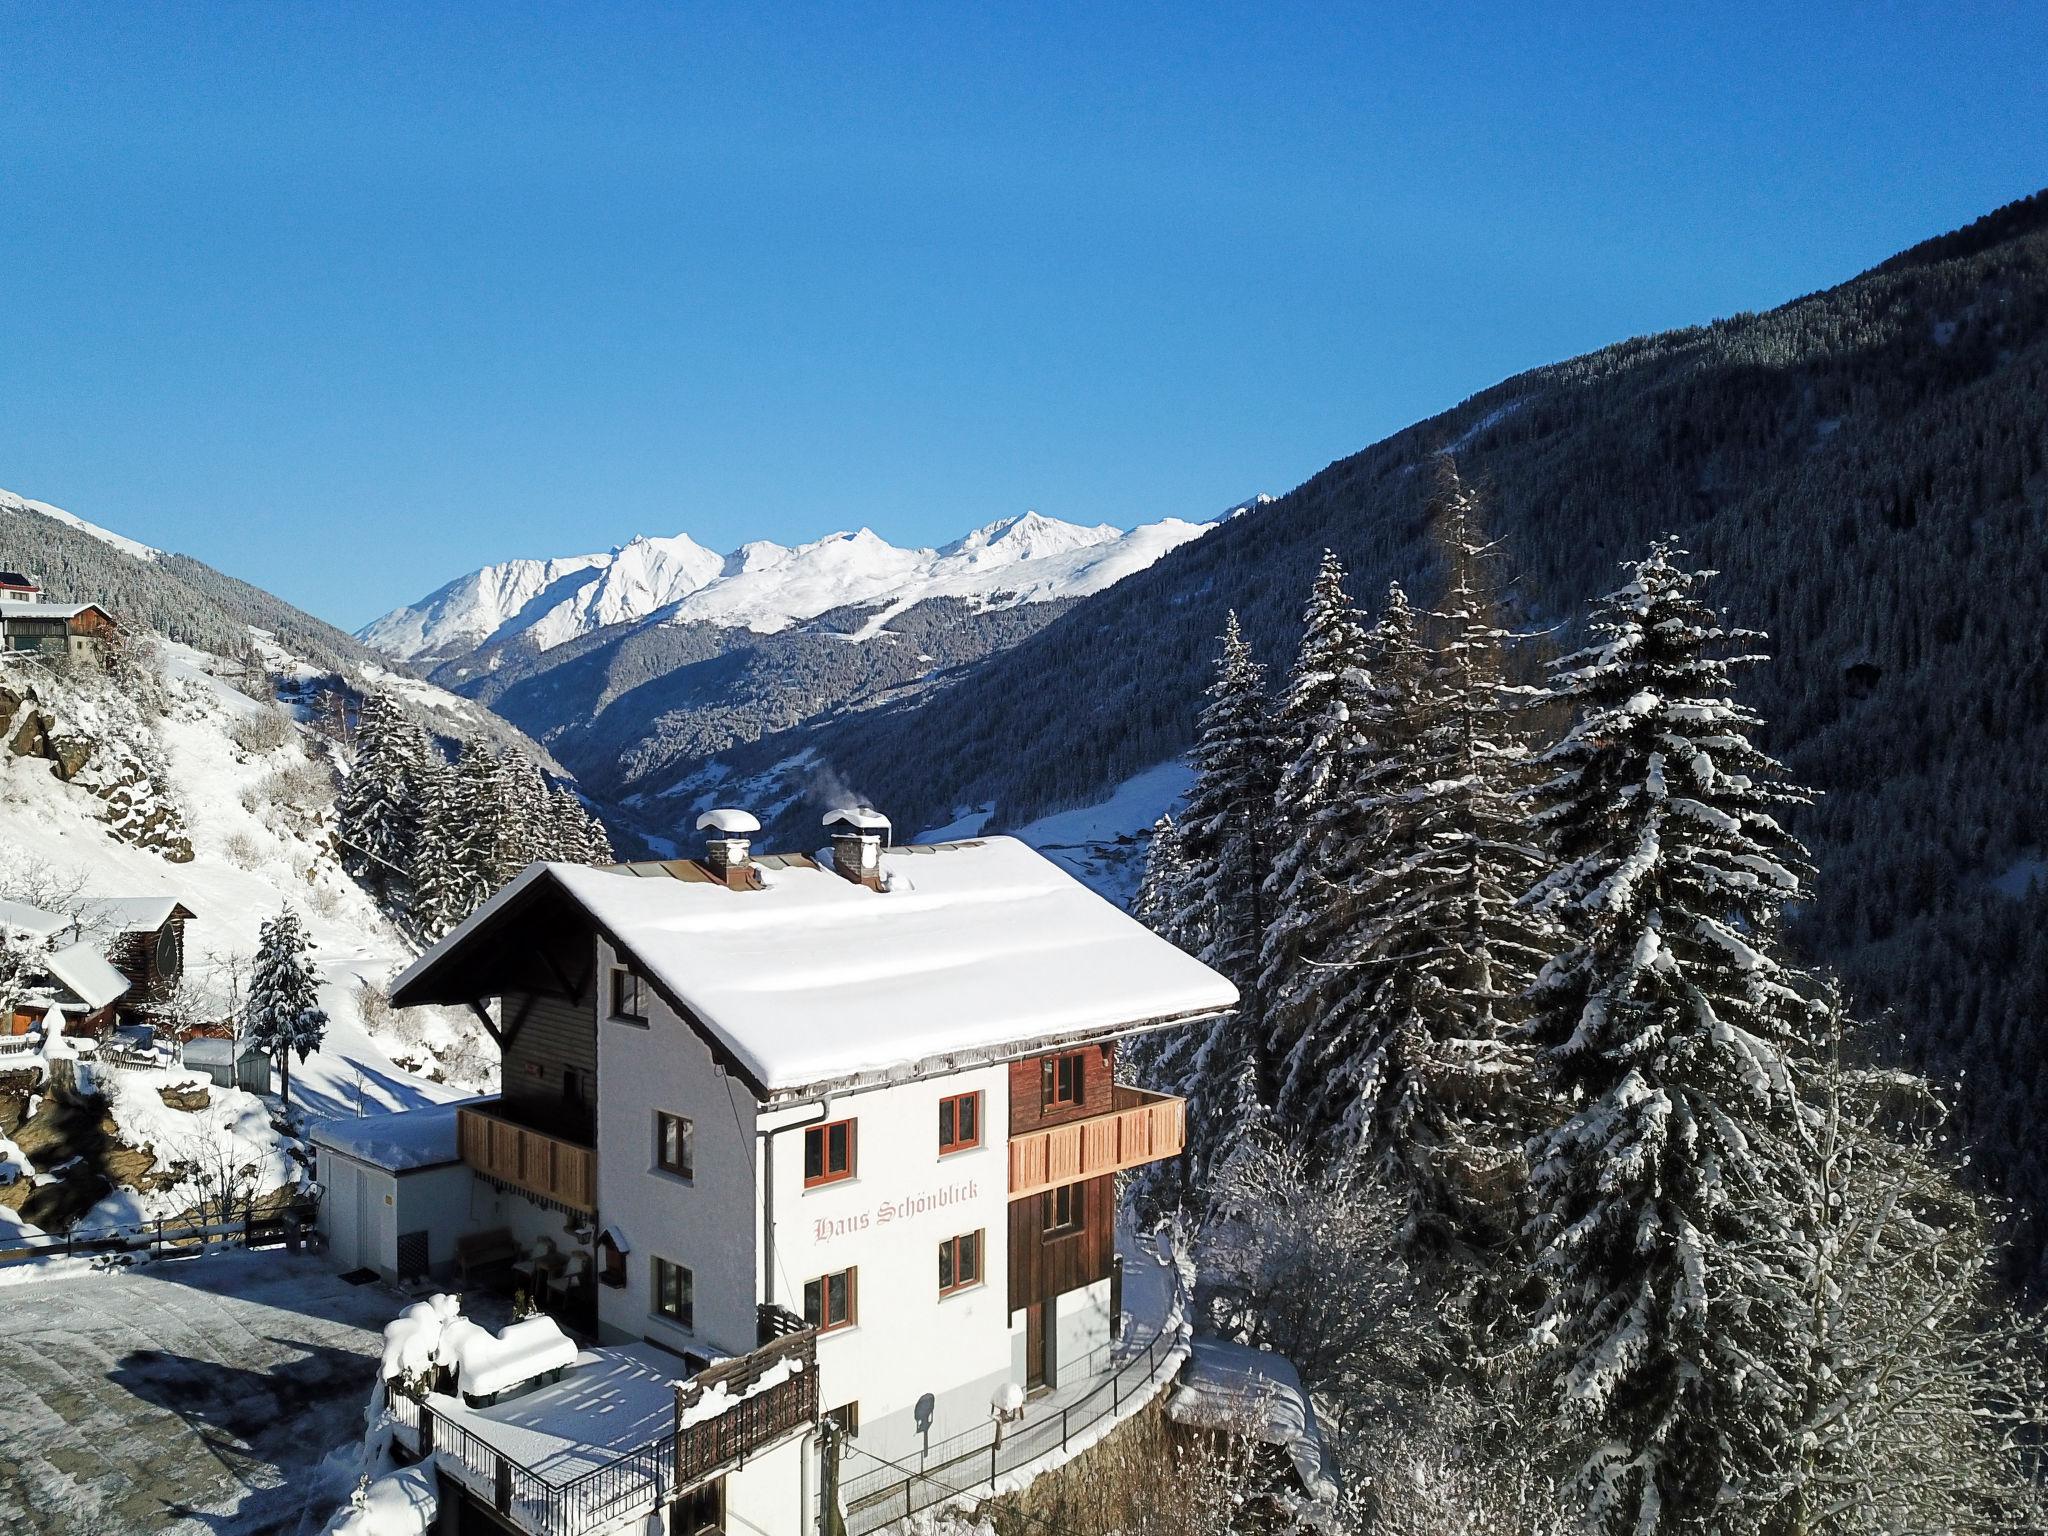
88	976
135	914
52	611
19	581
971	951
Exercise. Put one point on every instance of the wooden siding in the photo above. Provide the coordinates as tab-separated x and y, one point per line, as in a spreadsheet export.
1043	1266
547	1037
1028	1111
527	1159
1133	1129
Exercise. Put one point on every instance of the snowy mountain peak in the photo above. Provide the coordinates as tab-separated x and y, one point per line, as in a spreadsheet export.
765	587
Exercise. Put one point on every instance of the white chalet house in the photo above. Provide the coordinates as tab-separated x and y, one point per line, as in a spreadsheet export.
858	1111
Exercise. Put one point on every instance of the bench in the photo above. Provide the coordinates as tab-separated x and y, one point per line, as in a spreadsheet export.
485	1253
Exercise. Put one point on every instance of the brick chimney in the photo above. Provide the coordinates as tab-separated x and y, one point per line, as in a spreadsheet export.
859	834
728	842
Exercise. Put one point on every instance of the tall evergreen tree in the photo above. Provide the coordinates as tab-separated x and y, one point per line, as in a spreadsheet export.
1223	846
283	1010
439	888
1445	1093
1327	704
376	812
1665	1205
474	803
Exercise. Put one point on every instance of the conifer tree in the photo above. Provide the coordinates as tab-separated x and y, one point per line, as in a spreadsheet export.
1445	1093
283	1010
439	888
1223	848
1320	751
1665	1209
473	798
375	810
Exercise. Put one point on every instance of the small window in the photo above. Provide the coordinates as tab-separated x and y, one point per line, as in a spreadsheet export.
629	995
1065	1079
960	1122
828	1153
845	1418
829	1301
959	1263
1063	1210
675	1293
675	1144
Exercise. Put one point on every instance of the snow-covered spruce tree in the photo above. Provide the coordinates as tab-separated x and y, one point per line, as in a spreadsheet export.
1445	1089
283	1011
1926	1404
576	836
523	823
377	810
439	888
1335	1043
1666	1206
1224	852
1316	833
473	796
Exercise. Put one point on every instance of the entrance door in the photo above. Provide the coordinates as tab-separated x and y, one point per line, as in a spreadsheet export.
1037	1351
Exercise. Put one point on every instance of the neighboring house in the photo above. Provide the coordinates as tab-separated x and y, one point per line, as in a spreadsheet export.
870	1098
84	988
146	944
31	622
24	1013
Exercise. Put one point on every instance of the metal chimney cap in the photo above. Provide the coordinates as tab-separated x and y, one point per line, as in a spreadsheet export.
862	818
734	823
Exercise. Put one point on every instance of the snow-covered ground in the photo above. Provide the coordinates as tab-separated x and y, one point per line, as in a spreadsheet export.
767	587
255	848
220	1394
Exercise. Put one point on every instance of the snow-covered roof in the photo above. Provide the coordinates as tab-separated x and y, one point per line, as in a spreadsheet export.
1241	1390
135	914
726	819
24	918
969	949
397	1142
85	971
35	610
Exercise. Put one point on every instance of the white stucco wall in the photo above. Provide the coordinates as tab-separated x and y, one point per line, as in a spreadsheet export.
767	1496
705	1223
887	1223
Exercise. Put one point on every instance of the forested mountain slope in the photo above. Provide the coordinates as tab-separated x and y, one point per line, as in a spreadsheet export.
1867	467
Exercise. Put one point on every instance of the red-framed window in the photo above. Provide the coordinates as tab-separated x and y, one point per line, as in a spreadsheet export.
1066	1079
828	1153
959	1263
829	1301
959	1122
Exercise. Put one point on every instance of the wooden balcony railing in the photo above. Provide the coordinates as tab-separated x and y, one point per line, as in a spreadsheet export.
1138	1128
732	1409
548	1167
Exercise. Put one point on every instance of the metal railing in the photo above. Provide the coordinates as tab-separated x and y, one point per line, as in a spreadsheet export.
164	1237
975	1459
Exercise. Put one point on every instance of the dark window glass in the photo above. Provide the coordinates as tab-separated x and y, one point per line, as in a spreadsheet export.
675	1293
828	1301
1065	1078
1063	1209
828	1152
628	998
959	1122
675	1141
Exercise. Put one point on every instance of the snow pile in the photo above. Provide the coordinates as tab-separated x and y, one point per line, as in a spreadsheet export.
397	1141
228	1145
766	587
14	1163
521	1351
1251	1392
402	1503
413	1341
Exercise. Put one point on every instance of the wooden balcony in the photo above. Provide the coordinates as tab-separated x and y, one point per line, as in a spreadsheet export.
548	1167
1138	1128
760	1398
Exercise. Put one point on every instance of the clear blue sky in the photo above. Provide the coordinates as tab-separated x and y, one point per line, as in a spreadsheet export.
347	301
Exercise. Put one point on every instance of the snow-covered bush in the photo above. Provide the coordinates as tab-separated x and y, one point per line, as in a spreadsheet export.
261	731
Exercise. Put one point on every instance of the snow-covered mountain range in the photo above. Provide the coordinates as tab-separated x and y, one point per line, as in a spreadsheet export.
767	587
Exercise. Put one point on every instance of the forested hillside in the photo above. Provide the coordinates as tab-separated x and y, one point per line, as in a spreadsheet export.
1866	466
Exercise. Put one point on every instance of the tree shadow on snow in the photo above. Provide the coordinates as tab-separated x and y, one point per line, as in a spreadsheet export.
270	1426
379	1093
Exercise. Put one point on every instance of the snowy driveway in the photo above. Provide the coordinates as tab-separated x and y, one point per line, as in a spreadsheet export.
199	1395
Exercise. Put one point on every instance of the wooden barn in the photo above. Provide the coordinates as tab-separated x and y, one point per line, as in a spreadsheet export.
145	943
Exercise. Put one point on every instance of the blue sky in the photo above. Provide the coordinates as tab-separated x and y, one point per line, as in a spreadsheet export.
347	301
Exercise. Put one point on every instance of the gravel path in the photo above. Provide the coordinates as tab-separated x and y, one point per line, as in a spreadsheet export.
221	1394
